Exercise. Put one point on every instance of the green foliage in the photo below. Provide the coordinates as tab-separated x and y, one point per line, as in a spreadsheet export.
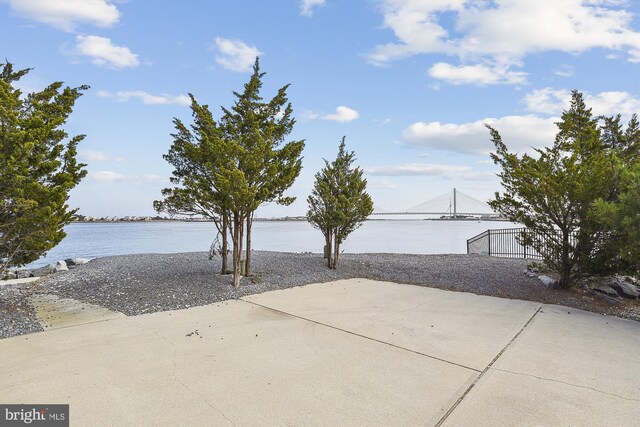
606	242
624	143
338	203
553	193
38	167
197	155
226	169
268	166
620	220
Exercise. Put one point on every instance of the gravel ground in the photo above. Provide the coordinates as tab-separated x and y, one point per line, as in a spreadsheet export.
17	317
146	283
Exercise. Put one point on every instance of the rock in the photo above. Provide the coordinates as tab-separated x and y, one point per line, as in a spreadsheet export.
9	275
61	266
80	261
607	298
632	280
625	289
606	290
43	271
70	262
23	273
549	282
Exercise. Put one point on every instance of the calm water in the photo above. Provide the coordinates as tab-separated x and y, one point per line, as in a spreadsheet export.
92	240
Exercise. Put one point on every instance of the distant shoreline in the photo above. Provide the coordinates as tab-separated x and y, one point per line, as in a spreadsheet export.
121	220
284	219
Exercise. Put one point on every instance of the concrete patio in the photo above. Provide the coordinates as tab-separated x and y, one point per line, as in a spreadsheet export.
352	352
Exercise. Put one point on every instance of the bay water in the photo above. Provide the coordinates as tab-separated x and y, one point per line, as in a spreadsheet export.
416	236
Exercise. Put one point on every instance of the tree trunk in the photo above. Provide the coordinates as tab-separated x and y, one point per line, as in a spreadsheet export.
329	248
247	264
237	238
336	250
327	245
225	244
565	264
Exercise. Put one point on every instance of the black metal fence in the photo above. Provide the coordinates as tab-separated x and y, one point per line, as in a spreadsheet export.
511	243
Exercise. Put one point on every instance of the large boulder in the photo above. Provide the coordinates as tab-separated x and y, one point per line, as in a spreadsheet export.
606	290
9	275
61	266
549	282
70	262
625	289
23	273
80	261
43	271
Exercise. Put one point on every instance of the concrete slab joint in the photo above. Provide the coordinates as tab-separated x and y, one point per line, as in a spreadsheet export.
350	352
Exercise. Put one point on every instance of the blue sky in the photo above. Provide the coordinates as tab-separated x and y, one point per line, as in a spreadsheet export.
409	83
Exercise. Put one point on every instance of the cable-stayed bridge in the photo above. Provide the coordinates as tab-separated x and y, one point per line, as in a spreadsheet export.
454	204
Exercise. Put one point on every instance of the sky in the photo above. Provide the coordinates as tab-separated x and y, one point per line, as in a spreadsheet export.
410	84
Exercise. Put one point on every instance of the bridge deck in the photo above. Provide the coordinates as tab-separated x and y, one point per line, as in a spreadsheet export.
437	213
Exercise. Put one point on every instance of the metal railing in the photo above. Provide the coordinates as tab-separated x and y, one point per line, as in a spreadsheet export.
511	243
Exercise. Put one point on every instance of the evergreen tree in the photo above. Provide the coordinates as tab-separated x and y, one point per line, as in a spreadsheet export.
629	150
600	245
226	169
197	155
338	203
269	166
38	167
621	222
615	217
553	194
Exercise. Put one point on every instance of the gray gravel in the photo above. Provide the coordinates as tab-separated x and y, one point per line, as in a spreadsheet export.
146	283
17	317
136	284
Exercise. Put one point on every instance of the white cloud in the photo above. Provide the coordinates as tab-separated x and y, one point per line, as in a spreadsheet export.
104	53
614	102
429	169
145	97
555	101
564	71
97	156
110	176
502	32
381	183
307	6
107	176
67	14
547	100
485	162
151	179
343	114
308	115
236	55
479	74
519	133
